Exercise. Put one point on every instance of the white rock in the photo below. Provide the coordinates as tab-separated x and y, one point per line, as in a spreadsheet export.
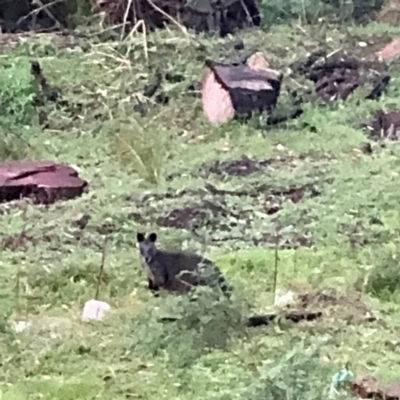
20	326
363	44
283	299
95	309
280	147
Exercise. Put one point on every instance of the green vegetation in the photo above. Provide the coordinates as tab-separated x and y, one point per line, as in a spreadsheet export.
137	167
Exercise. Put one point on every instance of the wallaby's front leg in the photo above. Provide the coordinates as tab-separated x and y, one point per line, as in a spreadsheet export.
153	288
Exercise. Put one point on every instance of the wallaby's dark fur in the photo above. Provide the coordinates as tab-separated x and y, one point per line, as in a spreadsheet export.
177	271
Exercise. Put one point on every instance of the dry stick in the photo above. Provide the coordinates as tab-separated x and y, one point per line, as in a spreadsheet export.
18	275
103	259
42	7
128	7
247	12
173	20
275	267
17	287
105	30
295	262
134	29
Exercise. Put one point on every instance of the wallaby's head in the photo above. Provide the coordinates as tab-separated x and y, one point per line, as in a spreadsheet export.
147	246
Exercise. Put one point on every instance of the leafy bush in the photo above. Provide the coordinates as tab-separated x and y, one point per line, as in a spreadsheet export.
17	108
13	144
299	374
183	328
17	93
384	279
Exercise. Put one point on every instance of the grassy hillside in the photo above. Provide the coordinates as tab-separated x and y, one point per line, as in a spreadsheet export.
338	246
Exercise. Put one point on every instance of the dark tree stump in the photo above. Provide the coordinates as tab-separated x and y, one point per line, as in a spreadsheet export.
43	182
230	90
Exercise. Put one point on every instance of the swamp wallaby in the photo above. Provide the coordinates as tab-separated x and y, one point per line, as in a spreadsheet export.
181	271
177	271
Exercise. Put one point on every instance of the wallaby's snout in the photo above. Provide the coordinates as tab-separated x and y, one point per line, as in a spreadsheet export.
147	246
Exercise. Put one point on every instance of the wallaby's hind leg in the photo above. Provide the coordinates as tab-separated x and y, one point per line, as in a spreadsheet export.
183	282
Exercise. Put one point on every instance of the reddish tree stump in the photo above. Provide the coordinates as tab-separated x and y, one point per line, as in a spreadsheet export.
43	182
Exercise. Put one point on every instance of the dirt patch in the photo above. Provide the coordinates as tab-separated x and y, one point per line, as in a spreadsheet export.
19	241
185	218
212	213
384	126
370	44
361	234
348	308
335	309
244	166
336	77
229	215
294	193
293	240
224	212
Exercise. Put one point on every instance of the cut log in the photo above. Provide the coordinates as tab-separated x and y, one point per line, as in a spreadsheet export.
229	90
43	182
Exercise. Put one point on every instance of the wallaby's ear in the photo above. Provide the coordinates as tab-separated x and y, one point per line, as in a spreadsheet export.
140	237
153	237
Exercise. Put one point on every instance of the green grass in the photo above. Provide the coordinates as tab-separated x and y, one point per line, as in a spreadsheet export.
136	168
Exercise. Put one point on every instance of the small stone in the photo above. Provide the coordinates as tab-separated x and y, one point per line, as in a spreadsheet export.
95	310
362	44
280	147
284	299
20	326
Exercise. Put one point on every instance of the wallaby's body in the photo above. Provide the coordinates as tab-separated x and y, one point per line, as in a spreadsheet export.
177	271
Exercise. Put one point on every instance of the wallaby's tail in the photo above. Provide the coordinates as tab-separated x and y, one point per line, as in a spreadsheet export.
224	286
211	275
